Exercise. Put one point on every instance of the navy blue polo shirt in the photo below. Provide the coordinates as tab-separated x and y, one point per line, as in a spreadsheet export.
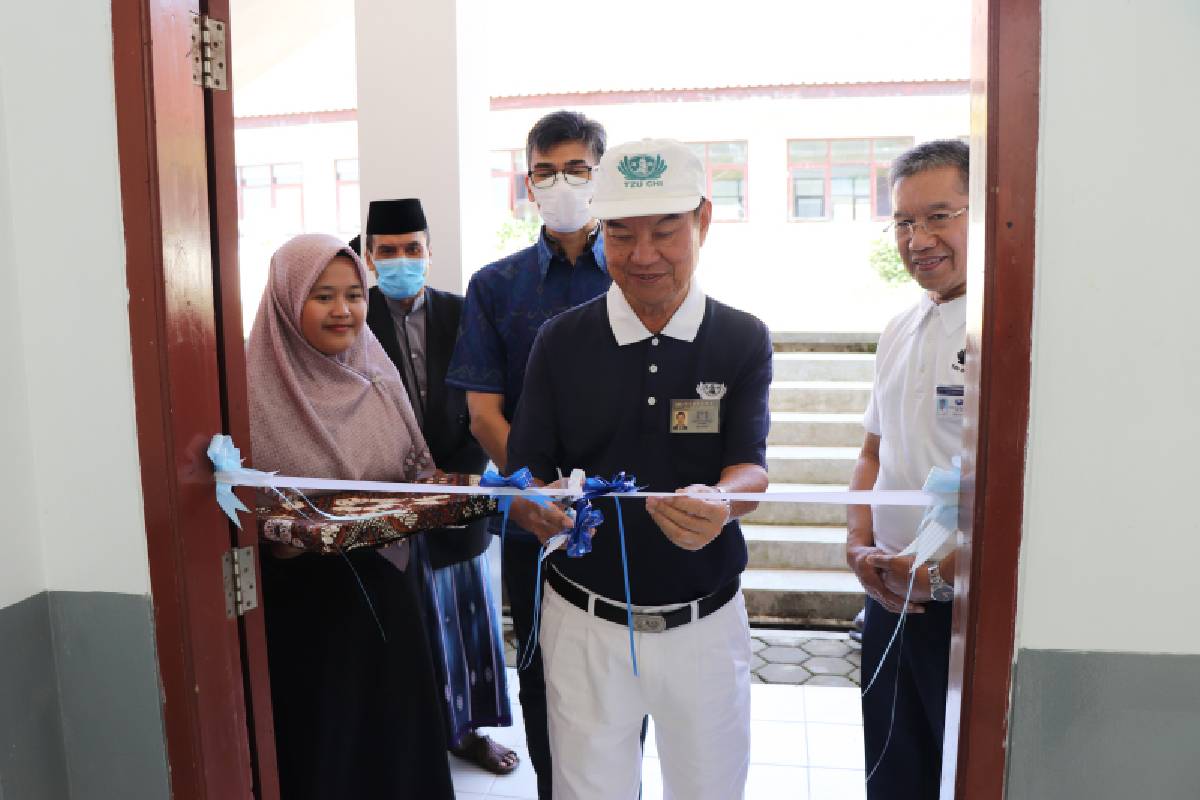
591	403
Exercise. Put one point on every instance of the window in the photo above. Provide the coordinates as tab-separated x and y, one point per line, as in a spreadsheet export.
508	184
725	167
272	196
349	214
841	179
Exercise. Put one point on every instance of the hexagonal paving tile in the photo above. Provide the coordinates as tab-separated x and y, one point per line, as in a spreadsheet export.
756	662
756	645
784	673
855	658
830	680
824	665
755	679
856	676
783	655
826	647
782	640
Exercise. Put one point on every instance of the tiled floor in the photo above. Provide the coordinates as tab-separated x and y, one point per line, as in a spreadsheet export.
806	744
814	658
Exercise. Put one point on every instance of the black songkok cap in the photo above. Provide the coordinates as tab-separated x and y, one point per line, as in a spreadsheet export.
356	245
395	216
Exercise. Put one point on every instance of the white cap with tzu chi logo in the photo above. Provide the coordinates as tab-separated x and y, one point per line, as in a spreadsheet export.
647	177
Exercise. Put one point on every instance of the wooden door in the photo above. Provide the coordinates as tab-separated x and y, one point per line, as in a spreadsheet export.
175	147
1005	70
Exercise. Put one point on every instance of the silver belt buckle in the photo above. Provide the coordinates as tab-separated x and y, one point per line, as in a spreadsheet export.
649	623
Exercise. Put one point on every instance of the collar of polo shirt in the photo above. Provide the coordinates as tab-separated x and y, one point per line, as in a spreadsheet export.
952	313
628	329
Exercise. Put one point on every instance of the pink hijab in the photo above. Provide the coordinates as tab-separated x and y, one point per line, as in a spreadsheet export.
312	415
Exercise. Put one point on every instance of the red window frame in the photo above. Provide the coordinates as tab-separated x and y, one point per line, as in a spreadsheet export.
875	167
740	166
339	183
518	204
275	184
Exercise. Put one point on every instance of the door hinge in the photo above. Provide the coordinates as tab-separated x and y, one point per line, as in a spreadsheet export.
208	53
241	585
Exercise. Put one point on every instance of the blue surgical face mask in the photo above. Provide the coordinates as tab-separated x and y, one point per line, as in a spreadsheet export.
401	278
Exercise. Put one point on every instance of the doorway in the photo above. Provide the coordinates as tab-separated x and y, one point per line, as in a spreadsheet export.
156	119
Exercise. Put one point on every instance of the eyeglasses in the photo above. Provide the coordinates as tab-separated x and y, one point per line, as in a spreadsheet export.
935	223
574	175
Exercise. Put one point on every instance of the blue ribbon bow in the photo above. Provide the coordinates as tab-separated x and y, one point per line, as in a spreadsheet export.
520	479
581	540
227	459
944	482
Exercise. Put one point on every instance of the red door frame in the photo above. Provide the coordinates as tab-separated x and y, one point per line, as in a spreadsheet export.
179	207
1005	74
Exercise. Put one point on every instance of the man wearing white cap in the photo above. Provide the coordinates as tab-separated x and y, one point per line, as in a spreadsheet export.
604	389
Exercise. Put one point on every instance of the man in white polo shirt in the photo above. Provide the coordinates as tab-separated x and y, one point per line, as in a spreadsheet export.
913	423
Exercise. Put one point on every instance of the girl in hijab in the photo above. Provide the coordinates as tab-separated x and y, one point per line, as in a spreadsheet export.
352	681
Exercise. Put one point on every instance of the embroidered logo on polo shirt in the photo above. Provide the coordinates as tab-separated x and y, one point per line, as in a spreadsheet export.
642	170
710	391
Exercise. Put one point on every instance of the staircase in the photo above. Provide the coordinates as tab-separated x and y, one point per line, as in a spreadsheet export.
797	573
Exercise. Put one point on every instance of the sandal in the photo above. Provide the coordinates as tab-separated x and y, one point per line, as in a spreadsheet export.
486	753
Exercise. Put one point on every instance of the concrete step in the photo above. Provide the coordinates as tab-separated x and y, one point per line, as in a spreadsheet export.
816	429
798	513
794	464
812	597
796	546
824	341
824	366
820	396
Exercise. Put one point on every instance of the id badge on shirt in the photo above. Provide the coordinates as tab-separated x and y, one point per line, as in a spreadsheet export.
695	416
950	402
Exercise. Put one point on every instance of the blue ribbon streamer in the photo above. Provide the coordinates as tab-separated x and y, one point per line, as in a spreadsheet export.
579	543
520	479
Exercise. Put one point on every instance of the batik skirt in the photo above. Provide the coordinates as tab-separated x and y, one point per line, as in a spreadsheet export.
463	625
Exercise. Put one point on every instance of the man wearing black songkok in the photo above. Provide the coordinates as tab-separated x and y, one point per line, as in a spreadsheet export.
417	326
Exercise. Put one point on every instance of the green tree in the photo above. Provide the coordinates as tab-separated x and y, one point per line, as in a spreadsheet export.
522	231
885	258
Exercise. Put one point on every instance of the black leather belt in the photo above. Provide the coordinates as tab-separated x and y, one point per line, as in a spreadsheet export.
643	623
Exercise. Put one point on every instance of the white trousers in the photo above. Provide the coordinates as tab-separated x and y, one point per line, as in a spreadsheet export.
694	682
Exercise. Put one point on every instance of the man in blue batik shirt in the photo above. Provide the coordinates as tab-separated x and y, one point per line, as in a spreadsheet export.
506	303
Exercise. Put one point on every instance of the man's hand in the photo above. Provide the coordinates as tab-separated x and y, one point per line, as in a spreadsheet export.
894	570
862	559
689	521
542	521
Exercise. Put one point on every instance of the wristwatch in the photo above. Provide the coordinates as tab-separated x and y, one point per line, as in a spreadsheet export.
941	591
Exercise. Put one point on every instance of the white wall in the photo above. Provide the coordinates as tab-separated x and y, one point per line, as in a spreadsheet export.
22	571
413	59
68	390
1108	553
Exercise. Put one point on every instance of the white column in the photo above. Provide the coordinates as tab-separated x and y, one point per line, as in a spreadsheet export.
422	112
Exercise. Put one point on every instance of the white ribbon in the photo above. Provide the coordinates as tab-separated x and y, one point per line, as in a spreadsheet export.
268	480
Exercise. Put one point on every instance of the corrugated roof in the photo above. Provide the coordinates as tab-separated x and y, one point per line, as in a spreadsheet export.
634	45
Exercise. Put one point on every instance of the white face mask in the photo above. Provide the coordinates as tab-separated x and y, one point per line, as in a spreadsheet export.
565	208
